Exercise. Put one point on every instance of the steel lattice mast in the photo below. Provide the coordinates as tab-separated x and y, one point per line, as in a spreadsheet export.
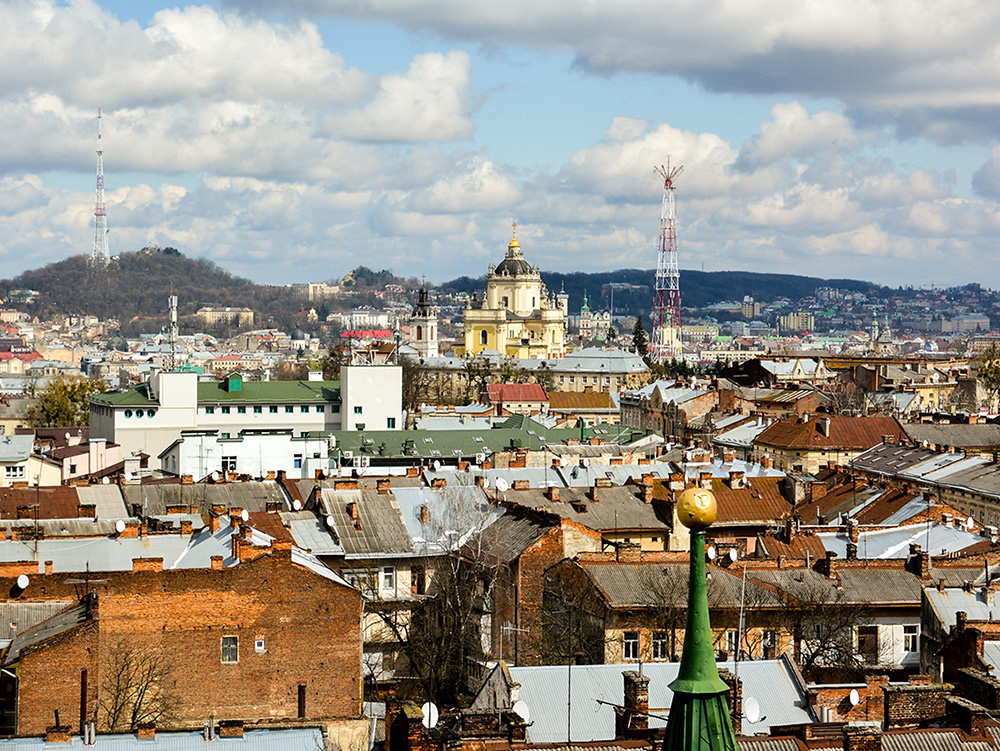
99	255
666	340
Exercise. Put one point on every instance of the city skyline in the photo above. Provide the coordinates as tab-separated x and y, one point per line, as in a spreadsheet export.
855	142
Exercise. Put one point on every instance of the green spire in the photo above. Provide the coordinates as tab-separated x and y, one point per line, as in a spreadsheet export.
584	306
699	714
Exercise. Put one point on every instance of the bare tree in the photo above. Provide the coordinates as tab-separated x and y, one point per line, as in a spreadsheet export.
988	372
138	685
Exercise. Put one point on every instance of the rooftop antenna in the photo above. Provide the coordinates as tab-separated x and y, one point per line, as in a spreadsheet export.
666	339
99	255
173	333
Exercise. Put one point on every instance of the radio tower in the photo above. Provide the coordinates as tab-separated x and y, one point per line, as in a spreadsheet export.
666	340
99	255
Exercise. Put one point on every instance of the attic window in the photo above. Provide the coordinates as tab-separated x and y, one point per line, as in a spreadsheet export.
428	440
435	452
478	439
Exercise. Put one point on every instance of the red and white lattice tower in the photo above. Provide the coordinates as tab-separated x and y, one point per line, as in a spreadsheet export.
99	255
666	340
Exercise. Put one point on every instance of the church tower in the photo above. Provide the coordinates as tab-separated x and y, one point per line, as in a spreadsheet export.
423	327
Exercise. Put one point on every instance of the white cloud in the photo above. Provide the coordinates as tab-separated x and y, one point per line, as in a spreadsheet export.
427	103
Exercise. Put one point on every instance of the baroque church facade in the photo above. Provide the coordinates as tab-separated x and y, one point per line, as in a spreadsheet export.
517	316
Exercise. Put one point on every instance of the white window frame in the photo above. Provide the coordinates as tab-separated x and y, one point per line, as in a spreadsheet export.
911	638
388	579
630	646
14	472
660	646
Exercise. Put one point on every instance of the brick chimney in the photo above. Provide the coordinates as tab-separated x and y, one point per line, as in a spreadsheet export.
737	480
382	486
852	551
633	716
353	511
828	566
439	483
522	485
767	462
231	729
86	511
862	736
594	494
728	457
423	514
705	480
146	731
553	494
853	530
480	481
734	698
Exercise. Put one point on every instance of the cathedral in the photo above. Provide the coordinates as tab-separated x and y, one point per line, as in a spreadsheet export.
517	317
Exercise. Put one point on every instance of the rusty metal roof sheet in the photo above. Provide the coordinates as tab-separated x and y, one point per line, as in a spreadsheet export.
844	432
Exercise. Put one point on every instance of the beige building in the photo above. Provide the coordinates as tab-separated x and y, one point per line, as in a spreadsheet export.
225	316
517	317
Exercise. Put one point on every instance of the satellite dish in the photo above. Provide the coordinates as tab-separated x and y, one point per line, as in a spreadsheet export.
215	477
23	581
733	555
329	522
297	505
521	710
969	523
431	715
436	465
711	552
119	526
245	515
502	485
751	709
855	697
105	481
67	437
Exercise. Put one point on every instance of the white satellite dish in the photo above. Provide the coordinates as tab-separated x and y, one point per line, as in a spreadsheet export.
521	710
751	709
245	515
733	555
502	485
23	581
105	481
855	697
297	505
215	477
431	715
119	526
329	522
969	522
711	552
436	465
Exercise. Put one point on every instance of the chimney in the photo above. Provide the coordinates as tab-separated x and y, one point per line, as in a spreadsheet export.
522	485
480	481
382	486
86	511
852	551
634	715
213	521
767	462
353	512
828	566
734	698
863	736
553	494
853	530
594	494
217	562
705	480
946	519
824	426
736	480
647	493
728	457
187	480
439	483
186	527
423	514
146	731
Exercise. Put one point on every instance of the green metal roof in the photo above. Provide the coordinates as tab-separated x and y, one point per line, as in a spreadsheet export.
214	392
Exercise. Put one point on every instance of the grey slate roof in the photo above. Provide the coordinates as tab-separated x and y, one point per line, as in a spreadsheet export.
544	689
251	495
67	619
952	600
16	448
959	436
617	507
380	531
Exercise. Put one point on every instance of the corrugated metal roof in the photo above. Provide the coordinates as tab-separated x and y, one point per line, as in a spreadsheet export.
17	617
991	656
544	689
379	529
616	507
939	539
302	739
960	436
951	600
63	621
311	533
200	497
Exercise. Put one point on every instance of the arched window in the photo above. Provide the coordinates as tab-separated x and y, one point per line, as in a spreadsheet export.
483	337
420	333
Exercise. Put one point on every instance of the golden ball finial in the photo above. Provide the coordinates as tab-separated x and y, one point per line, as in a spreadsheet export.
697	508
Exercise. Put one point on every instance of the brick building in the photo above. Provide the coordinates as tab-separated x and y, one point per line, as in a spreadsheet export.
272	639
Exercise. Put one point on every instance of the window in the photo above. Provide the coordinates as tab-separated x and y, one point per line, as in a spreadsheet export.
304	408
660	646
14	473
229	464
389	578
335	408
257	409
150	412
630	645
390	423
128	413
223	435
241	410
732	641
273	409
868	643
297	461
258	646
911	638
289	409
320	408
357	410
483	337
72	469
209	410
225	410
230	650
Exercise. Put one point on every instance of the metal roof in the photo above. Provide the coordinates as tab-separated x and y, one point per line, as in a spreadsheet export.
200	497
951	600
544	689
379	529
17	617
936	539
454	513
311	533
304	739
16	448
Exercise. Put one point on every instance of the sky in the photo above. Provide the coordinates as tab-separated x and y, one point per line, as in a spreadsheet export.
856	139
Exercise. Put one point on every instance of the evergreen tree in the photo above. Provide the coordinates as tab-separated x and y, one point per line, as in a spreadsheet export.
639	340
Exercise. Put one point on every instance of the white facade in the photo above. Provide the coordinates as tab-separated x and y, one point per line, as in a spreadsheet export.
372	396
251	453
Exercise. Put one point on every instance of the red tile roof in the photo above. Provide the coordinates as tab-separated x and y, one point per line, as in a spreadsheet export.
517	392
760	501
844	432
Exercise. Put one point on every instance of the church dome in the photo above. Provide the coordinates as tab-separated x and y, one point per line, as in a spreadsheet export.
513	264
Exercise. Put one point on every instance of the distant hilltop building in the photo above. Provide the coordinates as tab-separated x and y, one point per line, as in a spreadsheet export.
797	321
518	317
225	316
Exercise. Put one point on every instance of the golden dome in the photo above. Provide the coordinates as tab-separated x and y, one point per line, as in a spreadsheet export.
697	508
514	243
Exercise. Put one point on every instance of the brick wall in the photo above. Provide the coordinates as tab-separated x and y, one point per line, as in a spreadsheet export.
310	627
979	687
914	704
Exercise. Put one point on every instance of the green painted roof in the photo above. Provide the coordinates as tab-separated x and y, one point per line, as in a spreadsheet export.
214	392
270	391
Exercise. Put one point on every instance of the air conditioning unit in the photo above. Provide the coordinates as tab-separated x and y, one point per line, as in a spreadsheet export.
480	458
347	455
